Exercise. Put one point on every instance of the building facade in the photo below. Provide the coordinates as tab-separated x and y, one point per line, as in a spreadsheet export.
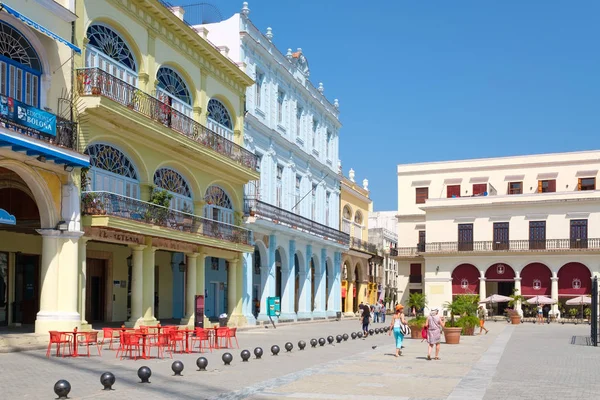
39	164
362	267
161	118
383	234
527	223
293	208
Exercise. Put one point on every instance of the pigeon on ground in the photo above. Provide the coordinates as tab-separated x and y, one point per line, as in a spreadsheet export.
373	347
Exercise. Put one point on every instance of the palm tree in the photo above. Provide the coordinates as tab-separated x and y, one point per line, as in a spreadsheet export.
418	301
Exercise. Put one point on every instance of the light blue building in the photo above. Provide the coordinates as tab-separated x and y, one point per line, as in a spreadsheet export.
294	208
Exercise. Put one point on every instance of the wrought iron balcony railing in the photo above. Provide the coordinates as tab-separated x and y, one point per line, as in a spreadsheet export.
115	205
260	209
504	246
96	82
362	245
415	279
66	131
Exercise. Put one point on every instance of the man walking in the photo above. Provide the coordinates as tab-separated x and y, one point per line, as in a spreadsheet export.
377	311
481	315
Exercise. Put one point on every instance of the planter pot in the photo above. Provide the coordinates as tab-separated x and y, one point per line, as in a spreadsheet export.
515	319
415	332
468	331
452	335
95	91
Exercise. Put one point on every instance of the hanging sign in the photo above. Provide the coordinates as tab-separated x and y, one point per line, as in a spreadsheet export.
6	218
28	116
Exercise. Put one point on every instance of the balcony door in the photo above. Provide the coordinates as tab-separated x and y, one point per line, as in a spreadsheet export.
579	234
421	244
537	235
500	236
465	237
108	51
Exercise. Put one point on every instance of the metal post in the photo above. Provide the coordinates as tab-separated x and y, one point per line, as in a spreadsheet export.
594	316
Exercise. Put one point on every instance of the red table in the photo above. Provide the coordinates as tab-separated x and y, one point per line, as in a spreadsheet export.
74	333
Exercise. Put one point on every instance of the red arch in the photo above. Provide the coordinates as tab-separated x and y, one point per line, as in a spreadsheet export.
470	274
534	272
500	272
572	275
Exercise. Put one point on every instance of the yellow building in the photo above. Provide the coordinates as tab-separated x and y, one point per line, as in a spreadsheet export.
359	263
161	117
39	201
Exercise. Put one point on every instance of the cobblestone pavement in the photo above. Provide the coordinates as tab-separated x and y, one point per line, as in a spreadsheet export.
540	362
349	370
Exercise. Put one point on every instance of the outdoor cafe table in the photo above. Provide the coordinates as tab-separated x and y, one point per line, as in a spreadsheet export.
73	333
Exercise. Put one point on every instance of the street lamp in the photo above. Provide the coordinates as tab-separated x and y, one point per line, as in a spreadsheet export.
182	266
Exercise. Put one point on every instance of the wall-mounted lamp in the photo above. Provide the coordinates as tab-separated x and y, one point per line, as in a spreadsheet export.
62	226
182	266
69	168
437	269
41	159
129	261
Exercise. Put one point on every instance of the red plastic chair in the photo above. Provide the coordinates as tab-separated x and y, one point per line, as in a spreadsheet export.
202	336
176	337
60	340
232	334
222	338
90	338
161	342
129	342
108	333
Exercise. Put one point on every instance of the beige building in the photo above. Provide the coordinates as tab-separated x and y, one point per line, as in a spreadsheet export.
486	226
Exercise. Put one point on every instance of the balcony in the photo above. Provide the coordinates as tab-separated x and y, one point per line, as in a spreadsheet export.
361	245
260	209
96	82
114	205
415	279
548	245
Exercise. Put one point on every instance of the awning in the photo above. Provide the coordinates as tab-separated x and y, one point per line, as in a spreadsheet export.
38	27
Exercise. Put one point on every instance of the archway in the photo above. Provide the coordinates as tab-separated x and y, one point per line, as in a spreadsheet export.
465	279
574	279
259	267
278	273
314	262
500	279
297	288
536	280
328	284
358	288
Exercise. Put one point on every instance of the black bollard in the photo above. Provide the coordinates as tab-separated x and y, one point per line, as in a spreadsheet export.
301	344
313	342
227	358
371	332
330	339
258	352
289	346
245	354
202	363
322	341
353	335
107	379
275	349
360	335
177	367
339	338
345	336
62	388
144	373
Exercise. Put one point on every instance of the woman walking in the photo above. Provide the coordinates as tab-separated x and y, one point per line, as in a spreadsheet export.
365	317
397	320
434	326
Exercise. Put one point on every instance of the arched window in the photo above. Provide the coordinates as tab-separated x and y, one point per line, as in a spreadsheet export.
108	51
219	119
358	225
112	171
175	184
218	205
20	67
346	219
173	90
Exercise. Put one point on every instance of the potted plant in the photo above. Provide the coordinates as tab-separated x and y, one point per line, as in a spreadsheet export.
162	199
134	98
416	326
516	299
418	301
188	219
588	313
573	312
93	204
452	329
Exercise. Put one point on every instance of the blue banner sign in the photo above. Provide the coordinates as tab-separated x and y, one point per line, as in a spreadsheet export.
7	218
28	116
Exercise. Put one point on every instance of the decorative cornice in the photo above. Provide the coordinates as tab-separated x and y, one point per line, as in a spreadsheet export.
57	9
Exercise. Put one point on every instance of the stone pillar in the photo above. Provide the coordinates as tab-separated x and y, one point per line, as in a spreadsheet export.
148	285
234	302
190	290
337	282
482	289
247	300
360	291
82	256
320	295
238	312
267	276
288	282
67	279
48	281
518	291
304	303
200	281
554	292
349	311
137	286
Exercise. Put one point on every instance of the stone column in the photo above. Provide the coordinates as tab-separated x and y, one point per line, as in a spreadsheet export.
68	279
288	282
320	296
268	279
247	300
554	292
137	286
200	281
82	256
518	291
234	305
349	311
482	289
48	281
190	290
148	284
333	292
337	282
304	303
238	312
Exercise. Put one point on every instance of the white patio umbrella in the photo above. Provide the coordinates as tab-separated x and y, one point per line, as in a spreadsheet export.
579	301
540	300
496	298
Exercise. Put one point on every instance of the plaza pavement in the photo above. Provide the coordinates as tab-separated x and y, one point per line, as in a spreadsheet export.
521	362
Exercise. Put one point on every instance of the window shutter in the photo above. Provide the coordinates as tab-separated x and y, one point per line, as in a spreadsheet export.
540	188
552	185
579	184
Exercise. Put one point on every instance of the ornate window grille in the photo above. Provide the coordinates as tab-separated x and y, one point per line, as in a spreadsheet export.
20	67
218	205
174	183
108	51
219	119
112	171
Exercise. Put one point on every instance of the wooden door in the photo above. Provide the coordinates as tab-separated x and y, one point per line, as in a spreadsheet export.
579	234
27	288
500	236
465	237
95	289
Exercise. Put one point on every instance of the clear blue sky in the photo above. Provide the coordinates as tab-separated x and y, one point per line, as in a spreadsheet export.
439	80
